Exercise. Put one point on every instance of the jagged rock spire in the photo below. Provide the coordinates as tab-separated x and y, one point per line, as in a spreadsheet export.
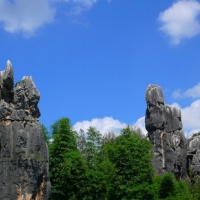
7	83
23	151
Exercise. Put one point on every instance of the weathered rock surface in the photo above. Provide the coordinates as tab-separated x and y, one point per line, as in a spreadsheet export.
164	127
194	156
23	150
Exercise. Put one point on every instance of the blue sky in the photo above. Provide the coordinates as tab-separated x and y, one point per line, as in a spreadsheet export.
92	60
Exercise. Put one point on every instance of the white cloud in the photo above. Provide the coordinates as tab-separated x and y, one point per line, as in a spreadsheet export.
191	117
141	124
176	105
108	124
25	16
181	21
193	92
104	125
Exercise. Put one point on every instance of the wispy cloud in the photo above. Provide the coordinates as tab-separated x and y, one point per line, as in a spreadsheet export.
177	94
193	92
25	16
76	7
181	20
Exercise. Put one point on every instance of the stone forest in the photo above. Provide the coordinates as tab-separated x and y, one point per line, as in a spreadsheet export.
24	154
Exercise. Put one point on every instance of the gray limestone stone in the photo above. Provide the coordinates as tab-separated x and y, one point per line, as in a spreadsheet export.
6	83
24	157
155	117
173	119
194	156
154	95
164	127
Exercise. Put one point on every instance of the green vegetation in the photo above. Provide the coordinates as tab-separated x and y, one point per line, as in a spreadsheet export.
87	166
66	165
166	187
132	175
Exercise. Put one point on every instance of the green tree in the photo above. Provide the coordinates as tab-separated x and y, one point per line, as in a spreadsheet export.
81	142
166	187
195	188
132	173
92	147
66	164
90	144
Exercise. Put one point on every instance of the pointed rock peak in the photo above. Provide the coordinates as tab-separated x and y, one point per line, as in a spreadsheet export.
7	76
9	69
8	64
29	81
27	78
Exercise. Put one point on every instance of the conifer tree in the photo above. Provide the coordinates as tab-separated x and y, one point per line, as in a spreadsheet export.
66	165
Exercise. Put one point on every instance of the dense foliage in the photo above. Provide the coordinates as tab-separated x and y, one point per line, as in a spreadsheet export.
130	156
66	164
87	166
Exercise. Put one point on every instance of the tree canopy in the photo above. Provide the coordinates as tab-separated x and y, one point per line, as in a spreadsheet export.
87	166
66	165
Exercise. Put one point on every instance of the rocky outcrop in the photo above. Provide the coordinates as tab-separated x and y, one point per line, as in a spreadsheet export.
23	150
164	127
194	156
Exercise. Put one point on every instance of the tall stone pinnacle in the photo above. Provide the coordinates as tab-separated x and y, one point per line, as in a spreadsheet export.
24	155
164	127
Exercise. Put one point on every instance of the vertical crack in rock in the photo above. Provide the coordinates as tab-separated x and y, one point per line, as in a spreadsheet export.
164	127
23	151
162	150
